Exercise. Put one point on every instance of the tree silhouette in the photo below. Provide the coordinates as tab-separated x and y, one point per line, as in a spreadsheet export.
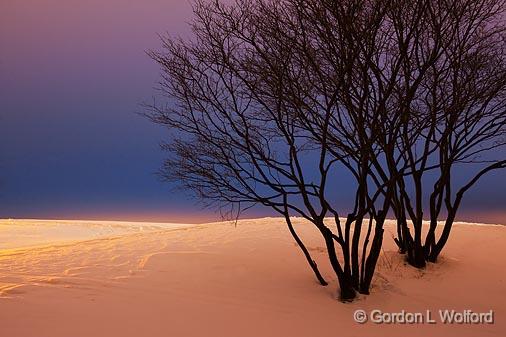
257	113
449	114
270	100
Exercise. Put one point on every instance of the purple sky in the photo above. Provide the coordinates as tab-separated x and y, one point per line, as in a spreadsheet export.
72	76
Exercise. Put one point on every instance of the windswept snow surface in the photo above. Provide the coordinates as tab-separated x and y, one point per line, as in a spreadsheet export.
17	233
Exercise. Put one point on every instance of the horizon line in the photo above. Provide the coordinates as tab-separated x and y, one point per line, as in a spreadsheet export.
462	222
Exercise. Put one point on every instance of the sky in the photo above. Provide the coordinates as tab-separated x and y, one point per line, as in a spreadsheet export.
73	74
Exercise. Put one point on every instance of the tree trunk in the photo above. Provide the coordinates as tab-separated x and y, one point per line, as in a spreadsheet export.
415	253
347	292
416	256
401	240
374	253
306	253
445	235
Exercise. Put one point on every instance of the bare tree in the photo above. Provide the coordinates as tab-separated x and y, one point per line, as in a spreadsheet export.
260	115
425	81
450	115
271	98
